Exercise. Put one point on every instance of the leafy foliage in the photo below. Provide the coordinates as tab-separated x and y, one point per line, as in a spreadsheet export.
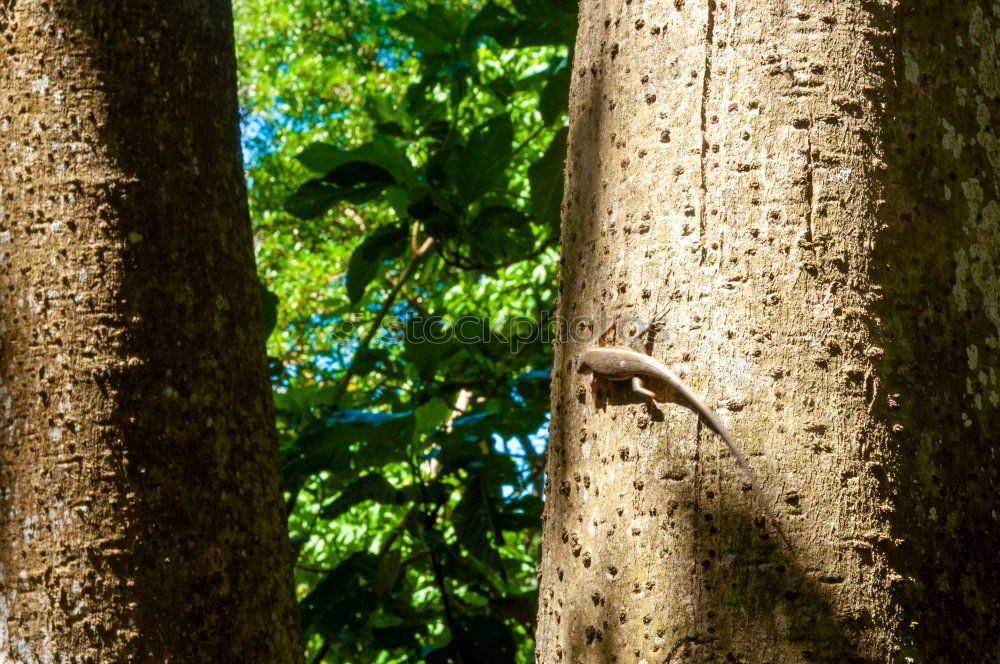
405	163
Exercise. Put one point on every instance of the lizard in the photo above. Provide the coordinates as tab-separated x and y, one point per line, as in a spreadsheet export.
621	364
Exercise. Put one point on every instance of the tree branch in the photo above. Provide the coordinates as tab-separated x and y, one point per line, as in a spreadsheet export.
408	271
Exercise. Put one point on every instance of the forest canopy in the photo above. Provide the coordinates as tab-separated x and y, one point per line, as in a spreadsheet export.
405	163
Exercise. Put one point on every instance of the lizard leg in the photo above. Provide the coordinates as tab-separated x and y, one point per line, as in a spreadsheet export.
603	340
639	389
648	333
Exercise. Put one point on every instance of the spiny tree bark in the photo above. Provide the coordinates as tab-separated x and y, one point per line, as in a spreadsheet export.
141	508
809	192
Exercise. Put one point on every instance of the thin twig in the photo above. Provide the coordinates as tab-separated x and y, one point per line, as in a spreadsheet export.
528	140
321	653
408	272
316	569
461	262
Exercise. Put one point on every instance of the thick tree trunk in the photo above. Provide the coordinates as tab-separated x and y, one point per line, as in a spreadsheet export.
141	508
809	193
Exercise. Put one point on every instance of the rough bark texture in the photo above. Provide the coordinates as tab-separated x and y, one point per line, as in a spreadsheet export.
809	191
139	488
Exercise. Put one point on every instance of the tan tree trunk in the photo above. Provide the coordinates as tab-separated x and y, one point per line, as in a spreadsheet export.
140	508
809	192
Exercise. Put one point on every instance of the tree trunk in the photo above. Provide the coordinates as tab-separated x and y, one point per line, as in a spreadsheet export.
809	193
141	507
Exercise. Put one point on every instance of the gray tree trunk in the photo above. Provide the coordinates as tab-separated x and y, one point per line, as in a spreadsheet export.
809	193
140	507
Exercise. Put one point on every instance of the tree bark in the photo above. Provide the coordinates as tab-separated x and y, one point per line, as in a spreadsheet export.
809	193
141	509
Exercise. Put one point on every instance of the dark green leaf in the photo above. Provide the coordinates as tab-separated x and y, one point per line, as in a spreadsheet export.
397	636
486	640
321	157
355	173
494	21
390	119
297	402
482	162
432	355
476	520
435	214
313	199
554	97
269	309
521	514
325	444
324	158
429	416
432	32
296	543
425	109
554	11
503	216
522	608
546	177
368	359
502	88
389	567
372	487
435	655
385	243
500	234
344	599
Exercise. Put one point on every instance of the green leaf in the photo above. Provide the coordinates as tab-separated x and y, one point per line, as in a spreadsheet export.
368	359
486	640
390	119
502	88
269	309
521	607
524	513
399	201
494	21
432	32
344	599
554	11
500	233
546	177
296	402
430	350
324	158
554	97
326	444
435	655
438	220
397	636
389	567
371	487
313	199
355	173
429	416
502	215
475	519
385	243
482	162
